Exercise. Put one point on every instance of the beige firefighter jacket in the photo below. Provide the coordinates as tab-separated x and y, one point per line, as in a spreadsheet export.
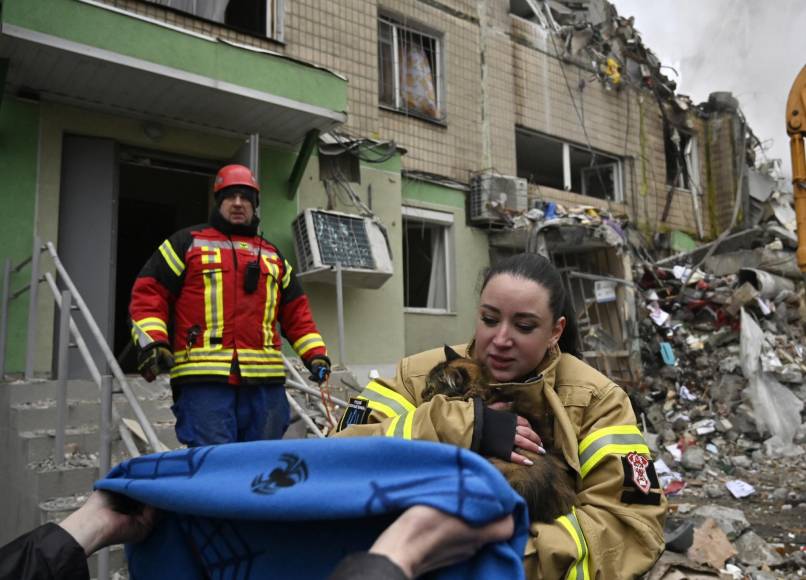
616	528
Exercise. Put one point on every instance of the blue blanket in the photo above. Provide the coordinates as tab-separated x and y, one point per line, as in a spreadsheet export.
294	508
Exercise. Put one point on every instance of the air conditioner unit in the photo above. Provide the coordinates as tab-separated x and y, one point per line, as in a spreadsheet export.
324	238
489	191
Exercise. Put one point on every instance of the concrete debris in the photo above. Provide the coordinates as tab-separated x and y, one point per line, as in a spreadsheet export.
731	521
711	546
753	550
723	351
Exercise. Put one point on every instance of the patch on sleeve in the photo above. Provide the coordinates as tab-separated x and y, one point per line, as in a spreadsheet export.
639	479
356	413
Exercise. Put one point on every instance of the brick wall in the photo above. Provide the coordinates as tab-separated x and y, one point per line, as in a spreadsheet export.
500	72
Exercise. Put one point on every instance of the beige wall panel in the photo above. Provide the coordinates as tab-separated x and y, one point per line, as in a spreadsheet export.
374	326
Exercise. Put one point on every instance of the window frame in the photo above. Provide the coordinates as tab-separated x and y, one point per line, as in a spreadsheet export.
691	159
445	220
394	22
604	160
275	19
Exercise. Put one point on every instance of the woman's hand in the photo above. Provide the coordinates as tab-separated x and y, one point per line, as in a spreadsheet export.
525	437
423	539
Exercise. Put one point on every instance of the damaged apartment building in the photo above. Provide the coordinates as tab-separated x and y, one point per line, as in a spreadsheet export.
410	141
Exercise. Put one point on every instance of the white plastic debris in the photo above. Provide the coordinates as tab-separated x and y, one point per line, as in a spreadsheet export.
734	571
659	316
739	488
776	409
704	426
675	451
665	474
685	394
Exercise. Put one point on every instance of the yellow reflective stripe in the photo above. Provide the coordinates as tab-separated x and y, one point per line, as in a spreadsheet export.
615	440
140	330
391	431
613	430
380	407
170	257
403	425
210	255
213	304
315	344
262	371
151	321
200	355
203	368
271	303
260	358
308	342
287	275
611	450
374	391
579	570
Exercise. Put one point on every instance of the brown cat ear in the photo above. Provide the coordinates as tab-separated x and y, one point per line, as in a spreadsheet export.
451	354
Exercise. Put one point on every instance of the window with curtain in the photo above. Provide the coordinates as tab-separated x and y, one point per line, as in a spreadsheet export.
258	17
409	69
427	260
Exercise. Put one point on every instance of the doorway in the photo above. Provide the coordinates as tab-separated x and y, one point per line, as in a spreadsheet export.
158	195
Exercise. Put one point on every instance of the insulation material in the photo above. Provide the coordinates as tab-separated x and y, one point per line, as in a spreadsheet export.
775	408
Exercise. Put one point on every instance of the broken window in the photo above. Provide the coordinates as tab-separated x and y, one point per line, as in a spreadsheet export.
409	69
553	163
682	160
426	259
258	17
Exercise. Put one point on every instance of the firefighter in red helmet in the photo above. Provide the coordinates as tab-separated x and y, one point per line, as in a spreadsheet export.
226	295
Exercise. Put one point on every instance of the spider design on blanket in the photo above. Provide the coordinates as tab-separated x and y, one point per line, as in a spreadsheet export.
294	472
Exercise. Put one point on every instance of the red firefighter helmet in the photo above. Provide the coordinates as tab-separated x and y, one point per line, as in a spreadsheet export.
230	175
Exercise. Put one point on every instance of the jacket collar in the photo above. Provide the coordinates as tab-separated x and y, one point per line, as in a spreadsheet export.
546	367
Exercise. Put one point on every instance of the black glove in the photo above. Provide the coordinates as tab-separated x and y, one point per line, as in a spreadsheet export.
154	359
320	369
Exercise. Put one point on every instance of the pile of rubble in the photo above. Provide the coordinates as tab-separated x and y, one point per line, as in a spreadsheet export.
724	355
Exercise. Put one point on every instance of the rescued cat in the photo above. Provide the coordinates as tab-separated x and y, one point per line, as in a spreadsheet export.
548	485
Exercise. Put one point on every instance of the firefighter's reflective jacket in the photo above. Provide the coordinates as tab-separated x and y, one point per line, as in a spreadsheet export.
615	529
194	283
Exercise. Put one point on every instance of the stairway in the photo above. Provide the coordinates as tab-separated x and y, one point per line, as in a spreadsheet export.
33	489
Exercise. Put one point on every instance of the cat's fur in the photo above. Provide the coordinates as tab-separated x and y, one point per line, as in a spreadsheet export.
548	485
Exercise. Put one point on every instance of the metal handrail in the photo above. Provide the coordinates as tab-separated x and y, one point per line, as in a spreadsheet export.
148	428
80	343
69	328
126	435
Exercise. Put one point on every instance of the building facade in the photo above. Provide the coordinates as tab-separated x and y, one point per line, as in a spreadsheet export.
116	113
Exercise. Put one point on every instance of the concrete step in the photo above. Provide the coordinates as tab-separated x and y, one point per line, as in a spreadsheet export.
85	390
37	390
58	508
31	416
38	445
74	477
69	479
